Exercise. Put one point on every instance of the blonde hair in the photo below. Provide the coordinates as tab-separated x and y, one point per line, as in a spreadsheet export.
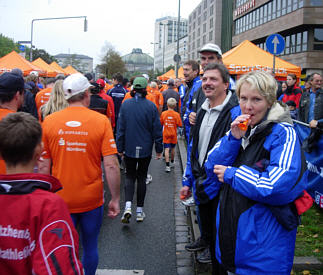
56	100
153	84
171	102
263	82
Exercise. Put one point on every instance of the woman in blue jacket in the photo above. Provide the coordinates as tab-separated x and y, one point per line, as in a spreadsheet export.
260	171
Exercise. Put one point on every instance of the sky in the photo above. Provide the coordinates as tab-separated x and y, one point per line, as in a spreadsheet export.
125	24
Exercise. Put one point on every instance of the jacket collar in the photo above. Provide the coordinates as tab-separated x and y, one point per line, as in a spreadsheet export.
26	183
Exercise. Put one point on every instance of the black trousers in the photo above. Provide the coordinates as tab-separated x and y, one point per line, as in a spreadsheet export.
208	223
136	170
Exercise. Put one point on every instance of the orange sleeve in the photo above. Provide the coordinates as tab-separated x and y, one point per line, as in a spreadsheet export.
108	144
179	121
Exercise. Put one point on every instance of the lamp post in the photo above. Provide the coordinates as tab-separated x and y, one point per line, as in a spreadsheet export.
177	47
163	24
154	43
52	18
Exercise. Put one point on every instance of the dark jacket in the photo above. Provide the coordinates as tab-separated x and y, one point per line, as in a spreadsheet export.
304	107
194	175
117	93
139	128
29	105
98	104
170	93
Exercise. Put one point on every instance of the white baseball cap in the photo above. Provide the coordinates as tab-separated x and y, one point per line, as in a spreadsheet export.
75	84
210	47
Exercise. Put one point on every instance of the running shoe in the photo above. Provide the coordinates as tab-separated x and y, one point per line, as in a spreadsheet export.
149	179
126	215
167	169
188	202
140	216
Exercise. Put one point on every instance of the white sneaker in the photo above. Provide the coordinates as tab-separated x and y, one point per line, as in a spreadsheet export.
149	179
140	216
189	202
126	215
167	169
172	164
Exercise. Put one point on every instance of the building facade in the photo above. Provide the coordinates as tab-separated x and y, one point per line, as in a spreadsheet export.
137	61
165	42
81	63
205	26
300	22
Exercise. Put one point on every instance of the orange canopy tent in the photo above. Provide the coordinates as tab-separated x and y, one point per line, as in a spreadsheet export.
50	71
248	57
70	70
14	60
58	68
172	74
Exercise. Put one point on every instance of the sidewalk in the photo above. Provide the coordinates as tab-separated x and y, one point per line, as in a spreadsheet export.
300	263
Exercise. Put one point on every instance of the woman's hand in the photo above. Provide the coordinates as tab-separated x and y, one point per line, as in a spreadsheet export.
235	130
219	171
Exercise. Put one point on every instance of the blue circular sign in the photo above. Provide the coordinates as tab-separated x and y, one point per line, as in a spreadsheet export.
22	48
275	44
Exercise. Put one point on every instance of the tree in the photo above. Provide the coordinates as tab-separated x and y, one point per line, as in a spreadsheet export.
7	45
170	67
40	53
111	61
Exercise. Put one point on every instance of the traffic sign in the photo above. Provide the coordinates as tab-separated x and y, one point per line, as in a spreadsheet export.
22	48
275	44
177	58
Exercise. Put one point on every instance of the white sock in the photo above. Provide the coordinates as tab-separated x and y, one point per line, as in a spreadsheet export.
139	209
128	204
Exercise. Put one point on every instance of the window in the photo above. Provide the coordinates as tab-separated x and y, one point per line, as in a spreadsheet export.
194	26
211	23
243	24
205	15
269	10
279	7
194	14
205	4
211	10
274	4
292	43
198	32
204	27
198	43
298	42
204	39
265	13
247	21
289	6
295	2
253	19
193	35
283	7
210	36
193	45
318	39
199	10
257	17
300	4
304	44
261	15
287	44
316	3
199	20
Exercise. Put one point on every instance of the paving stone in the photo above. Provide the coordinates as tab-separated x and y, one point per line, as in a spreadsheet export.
184	262
185	271
181	228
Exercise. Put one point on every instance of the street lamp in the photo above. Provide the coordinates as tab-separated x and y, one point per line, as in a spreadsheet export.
52	18
178	24
154	43
161	24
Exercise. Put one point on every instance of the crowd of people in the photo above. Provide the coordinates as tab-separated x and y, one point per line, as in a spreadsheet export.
245	171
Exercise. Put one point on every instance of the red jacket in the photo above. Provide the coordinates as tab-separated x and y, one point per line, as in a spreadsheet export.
37	235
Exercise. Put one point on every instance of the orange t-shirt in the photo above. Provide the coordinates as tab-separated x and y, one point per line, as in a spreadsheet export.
3	113
148	96
170	121
159	99
126	96
75	139
41	99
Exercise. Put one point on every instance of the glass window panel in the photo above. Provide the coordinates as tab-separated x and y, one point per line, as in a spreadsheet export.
318	47
289	6
274	4
210	36
316	2
265	13
205	16
198	32
211	10
301	4
287	42
269	10
247	22
243	24
298	42
253	19
204	27
204	39
318	35
295	4
199	20
257	17
279	7
292	43
284	5
261	15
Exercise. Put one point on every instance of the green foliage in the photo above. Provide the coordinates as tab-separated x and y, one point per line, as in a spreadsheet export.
7	45
42	54
169	68
111	62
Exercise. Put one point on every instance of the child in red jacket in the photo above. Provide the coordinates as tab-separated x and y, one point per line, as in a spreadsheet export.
37	235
